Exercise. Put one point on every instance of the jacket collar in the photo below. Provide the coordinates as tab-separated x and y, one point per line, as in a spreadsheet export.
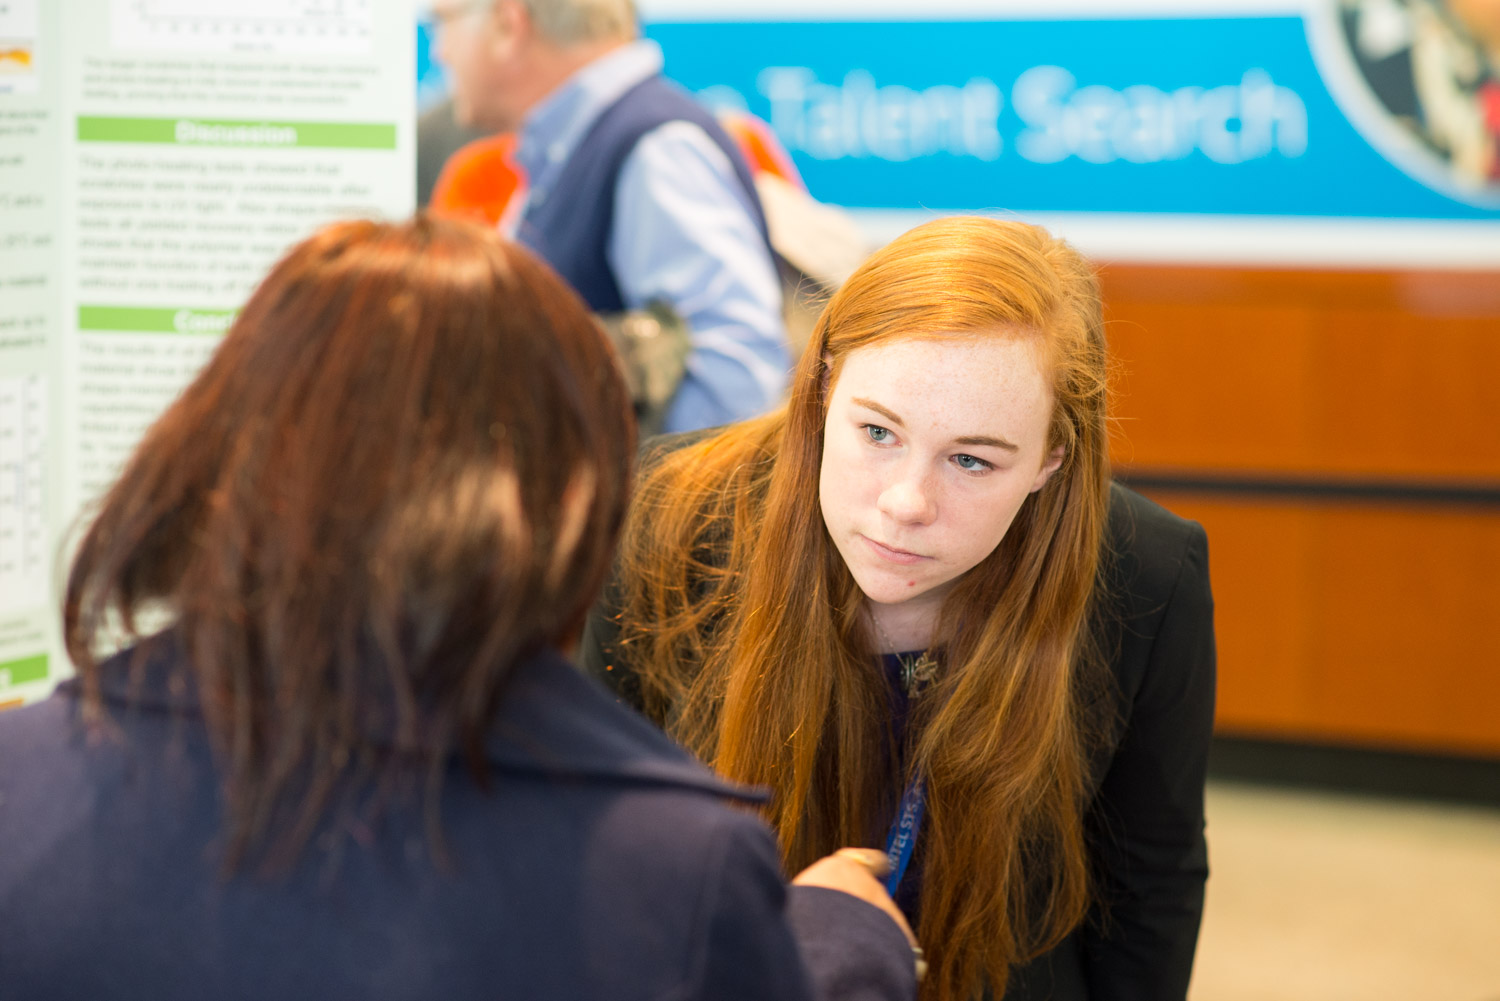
556	720
553	721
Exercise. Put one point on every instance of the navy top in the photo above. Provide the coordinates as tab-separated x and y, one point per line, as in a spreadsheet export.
909	892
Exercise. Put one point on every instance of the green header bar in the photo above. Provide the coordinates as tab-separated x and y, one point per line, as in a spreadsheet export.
19	672
236	132
146	320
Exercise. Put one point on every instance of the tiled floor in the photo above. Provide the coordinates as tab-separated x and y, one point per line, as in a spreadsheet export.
1334	898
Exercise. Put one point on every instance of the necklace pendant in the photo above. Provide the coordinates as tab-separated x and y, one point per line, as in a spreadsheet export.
917	673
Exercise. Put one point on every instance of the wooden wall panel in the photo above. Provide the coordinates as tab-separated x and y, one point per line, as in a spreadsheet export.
1286	378
1371	624
1339	436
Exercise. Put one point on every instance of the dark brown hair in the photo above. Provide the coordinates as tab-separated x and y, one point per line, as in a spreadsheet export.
403	469
749	636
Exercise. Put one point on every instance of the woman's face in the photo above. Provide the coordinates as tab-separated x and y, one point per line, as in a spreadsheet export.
929	449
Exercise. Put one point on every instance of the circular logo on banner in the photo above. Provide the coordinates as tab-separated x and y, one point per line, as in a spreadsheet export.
1420	79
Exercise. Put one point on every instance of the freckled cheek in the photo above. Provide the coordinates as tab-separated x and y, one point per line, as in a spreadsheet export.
848	483
987	538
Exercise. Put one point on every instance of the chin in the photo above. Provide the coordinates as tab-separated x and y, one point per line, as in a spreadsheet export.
890	592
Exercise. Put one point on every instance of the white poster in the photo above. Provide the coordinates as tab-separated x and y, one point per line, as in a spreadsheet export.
182	149
31	292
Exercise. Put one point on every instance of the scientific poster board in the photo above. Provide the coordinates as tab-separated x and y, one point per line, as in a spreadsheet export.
156	157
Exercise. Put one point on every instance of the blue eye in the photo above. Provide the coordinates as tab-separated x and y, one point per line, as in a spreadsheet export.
971	463
877	434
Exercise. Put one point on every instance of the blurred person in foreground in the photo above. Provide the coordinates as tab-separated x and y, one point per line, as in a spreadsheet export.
913	603
633	192
355	763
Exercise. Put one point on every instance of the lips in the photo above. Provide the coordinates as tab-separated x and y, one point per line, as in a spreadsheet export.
892	554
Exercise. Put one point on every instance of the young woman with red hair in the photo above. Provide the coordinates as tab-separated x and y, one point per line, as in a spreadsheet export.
913	604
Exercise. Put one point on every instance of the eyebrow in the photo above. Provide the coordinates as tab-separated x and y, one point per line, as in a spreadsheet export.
968	439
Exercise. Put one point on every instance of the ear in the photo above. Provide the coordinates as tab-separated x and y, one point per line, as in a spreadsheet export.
1048	468
508	24
825	377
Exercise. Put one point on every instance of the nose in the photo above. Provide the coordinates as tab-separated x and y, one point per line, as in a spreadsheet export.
908	498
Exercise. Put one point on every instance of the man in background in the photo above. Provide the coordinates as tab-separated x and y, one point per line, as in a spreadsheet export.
633	192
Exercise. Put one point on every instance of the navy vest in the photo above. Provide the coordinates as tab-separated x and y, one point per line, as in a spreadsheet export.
570	228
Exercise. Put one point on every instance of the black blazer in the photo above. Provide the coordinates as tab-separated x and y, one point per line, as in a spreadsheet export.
604	864
1145	818
1145	821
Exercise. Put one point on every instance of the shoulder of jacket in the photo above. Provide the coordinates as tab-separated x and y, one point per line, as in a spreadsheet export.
1146	546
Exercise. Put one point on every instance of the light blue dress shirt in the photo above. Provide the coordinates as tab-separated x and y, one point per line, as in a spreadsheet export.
684	233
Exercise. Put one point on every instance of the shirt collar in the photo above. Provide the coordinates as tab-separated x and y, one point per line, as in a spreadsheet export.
553	129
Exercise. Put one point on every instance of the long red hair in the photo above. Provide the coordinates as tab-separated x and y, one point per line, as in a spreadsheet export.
748	632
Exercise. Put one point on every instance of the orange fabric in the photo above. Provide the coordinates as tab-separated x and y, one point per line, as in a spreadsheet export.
760	147
478	180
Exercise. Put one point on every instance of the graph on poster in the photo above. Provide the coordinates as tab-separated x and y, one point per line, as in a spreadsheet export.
23	512
286	26
18	28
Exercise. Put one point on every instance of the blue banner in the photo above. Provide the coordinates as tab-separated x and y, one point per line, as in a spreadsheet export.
1200	116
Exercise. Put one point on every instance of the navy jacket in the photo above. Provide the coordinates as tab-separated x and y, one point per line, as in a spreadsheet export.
604	864
1145	820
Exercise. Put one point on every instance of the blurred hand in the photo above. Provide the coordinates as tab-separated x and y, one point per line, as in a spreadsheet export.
858	872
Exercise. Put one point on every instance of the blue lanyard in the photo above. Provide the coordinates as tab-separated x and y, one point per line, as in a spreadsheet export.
903	836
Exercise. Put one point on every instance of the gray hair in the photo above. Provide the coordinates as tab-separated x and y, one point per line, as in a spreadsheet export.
570	22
